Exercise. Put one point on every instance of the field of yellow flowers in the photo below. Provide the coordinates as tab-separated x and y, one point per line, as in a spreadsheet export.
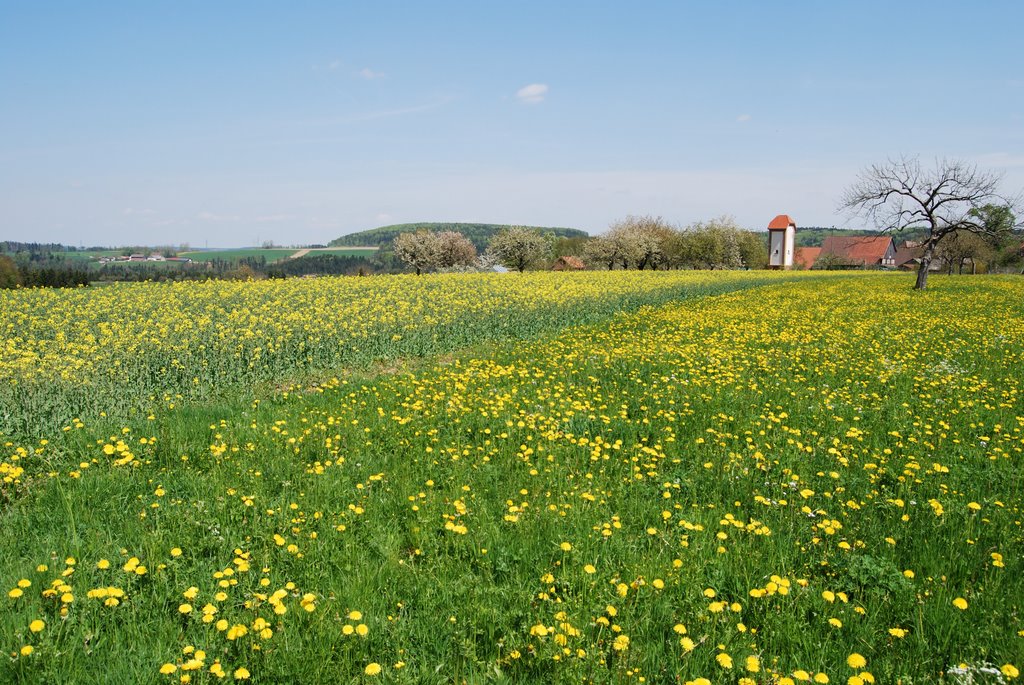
772	480
128	348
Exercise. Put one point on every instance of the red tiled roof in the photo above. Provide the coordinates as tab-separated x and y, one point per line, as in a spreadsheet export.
806	256
868	249
905	255
569	262
781	221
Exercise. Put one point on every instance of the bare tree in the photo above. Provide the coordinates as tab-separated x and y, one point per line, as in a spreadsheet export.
900	195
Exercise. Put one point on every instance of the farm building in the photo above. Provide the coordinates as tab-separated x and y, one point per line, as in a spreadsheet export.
568	264
860	251
806	256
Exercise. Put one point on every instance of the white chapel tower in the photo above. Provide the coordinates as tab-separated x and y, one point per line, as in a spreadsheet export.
781	242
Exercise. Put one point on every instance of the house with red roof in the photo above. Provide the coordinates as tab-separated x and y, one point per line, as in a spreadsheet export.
568	263
866	251
806	256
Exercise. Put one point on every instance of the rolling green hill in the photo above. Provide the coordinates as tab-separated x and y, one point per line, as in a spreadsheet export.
478	234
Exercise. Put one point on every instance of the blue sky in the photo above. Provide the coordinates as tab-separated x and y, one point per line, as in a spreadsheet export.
227	123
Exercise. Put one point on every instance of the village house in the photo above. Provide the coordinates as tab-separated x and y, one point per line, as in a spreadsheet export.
865	252
805	257
568	264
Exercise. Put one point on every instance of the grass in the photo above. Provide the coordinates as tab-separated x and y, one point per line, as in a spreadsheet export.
688	490
345	251
237	254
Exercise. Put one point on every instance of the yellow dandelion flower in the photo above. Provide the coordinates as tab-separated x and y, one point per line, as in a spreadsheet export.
372	669
855	660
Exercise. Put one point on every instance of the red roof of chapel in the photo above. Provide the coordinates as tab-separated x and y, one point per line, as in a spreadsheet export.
782	221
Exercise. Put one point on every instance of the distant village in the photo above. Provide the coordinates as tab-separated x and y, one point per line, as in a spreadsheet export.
155	257
858	252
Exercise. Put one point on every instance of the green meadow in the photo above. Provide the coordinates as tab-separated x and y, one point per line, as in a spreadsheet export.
795	478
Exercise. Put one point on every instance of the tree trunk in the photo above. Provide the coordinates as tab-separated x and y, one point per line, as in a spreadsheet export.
926	263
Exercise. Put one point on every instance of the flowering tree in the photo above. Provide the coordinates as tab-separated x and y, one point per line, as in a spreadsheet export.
519	248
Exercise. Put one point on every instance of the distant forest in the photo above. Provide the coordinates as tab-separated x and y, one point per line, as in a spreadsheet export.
478	234
814	236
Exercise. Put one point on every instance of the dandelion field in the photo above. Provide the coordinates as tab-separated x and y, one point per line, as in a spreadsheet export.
707	478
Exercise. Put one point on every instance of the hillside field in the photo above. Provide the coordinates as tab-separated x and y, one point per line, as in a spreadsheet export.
600	477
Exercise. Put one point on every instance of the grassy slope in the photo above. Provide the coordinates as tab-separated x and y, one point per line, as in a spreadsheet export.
345	251
233	255
711	408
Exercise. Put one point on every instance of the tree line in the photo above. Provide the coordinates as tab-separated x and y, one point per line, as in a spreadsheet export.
636	242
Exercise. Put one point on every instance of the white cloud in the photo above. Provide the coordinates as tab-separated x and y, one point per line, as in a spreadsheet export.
383	216
744	118
273	218
129	211
532	94
369	74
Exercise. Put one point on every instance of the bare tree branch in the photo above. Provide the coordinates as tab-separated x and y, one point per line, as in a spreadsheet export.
899	195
